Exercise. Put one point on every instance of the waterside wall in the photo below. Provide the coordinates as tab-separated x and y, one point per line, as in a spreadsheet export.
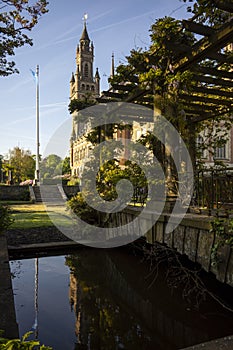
191	237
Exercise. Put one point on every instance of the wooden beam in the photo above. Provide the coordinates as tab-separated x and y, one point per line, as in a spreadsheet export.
206	46
136	94
125	87
116	95
220	57
213	81
205	99
213	71
198	28
211	91
102	99
210	116
224	5
198	108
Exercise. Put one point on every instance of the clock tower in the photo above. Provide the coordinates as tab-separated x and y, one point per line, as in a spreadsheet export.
83	83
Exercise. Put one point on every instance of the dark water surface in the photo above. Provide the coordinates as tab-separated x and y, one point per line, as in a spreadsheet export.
102	299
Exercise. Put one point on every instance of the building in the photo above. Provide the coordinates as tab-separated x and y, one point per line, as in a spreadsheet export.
84	85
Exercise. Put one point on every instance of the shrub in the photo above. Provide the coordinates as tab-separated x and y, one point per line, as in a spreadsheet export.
82	209
5	218
24	344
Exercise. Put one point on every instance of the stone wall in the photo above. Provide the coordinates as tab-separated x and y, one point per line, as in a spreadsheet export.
192	238
70	191
13	193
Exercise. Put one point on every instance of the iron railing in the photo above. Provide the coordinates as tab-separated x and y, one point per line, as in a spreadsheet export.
214	188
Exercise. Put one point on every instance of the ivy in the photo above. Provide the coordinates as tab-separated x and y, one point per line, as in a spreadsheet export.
223	230
5	218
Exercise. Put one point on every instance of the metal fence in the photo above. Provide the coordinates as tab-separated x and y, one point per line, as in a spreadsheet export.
214	189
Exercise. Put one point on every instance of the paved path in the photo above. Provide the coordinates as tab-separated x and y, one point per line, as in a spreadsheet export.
7	308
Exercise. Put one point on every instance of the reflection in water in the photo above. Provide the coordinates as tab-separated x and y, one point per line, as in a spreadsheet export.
101	300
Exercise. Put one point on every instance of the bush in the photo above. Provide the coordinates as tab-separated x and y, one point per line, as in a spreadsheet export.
24	344
5	218
74	181
82	209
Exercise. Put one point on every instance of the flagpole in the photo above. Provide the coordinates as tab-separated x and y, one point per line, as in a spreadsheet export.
37	172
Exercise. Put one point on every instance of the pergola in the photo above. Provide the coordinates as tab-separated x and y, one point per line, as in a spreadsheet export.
211	96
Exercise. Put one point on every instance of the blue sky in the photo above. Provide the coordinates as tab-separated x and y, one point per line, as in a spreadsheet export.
114	26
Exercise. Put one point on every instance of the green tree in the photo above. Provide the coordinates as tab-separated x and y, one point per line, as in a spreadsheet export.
152	70
51	166
76	105
16	18
211	12
66	166
22	163
1	168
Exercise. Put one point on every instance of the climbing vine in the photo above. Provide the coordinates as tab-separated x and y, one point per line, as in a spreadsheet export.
223	230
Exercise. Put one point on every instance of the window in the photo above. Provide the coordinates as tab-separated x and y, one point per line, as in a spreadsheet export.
86	70
93	88
200	146
83	87
220	152
87	88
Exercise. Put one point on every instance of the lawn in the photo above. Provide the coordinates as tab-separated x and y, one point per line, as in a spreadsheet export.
28	216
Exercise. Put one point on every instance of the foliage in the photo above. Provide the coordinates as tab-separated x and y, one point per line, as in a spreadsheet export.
17	17
214	133
22	344
82	209
79	104
5	218
66	166
74	181
53	166
207	12
223	230
22	164
152	68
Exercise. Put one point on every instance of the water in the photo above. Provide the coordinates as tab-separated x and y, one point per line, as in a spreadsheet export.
98	299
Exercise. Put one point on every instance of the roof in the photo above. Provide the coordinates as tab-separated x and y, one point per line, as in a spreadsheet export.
84	35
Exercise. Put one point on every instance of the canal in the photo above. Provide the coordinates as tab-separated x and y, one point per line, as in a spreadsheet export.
109	299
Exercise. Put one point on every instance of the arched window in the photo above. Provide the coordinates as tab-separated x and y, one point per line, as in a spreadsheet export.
93	88
88	87
86	70
83	86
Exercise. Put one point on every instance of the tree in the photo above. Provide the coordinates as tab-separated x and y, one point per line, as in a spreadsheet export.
51	166
212	12
22	164
76	105
17	17
152	70
66	166
1	170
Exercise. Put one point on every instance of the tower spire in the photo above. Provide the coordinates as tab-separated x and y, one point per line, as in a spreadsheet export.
85	17
85	36
112	67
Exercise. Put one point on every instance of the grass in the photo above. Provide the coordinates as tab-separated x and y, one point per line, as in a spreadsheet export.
27	216
14	202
